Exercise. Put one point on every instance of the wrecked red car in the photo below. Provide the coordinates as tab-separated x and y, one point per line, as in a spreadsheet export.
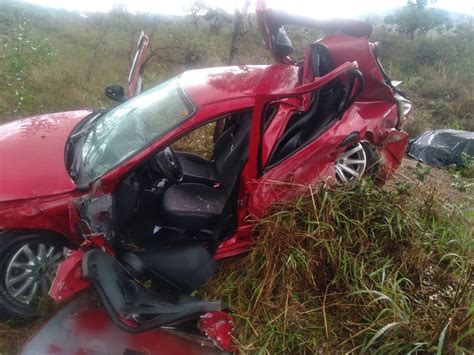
334	115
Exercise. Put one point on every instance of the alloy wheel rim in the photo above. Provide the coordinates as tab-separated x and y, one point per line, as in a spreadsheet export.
351	164
30	271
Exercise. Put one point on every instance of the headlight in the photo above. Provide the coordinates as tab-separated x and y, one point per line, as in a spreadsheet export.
403	108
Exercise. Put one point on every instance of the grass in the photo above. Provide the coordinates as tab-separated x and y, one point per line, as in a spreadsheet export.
437	74
199	141
355	269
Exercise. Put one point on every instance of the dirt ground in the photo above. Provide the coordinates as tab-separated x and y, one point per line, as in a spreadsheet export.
451	189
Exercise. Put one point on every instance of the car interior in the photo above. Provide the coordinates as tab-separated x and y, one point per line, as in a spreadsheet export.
178	197
122	296
170	214
327	106
173	211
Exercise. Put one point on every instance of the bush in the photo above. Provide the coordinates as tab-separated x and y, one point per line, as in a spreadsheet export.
22	51
437	71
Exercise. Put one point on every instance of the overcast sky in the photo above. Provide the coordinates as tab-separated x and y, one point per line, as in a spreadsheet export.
315	8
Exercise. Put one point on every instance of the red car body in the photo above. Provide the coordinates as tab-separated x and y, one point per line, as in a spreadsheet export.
89	330
37	193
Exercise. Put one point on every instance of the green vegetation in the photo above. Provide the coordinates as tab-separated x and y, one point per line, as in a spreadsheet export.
415	16
437	73
24	51
466	169
55	60
355	269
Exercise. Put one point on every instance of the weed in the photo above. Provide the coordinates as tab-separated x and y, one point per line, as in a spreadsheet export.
460	183
422	171
21	51
466	168
354	268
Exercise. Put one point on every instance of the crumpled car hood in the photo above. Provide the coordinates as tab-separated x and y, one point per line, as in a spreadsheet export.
32	155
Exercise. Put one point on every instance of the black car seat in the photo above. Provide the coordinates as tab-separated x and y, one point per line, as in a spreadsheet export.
194	206
328	104
203	171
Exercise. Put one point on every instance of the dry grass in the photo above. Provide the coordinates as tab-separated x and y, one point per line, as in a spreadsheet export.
199	141
11	338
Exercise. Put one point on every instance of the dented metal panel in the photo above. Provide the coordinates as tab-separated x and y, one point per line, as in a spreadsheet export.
83	327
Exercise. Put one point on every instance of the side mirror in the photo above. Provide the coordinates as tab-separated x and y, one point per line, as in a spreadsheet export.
115	93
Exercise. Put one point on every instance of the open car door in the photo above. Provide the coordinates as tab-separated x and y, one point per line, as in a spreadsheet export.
271	26
273	33
138	67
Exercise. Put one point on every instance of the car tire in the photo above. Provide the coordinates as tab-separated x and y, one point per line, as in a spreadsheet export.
28	261
358	160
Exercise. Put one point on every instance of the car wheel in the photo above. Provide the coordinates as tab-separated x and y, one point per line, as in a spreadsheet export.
28	264
358	160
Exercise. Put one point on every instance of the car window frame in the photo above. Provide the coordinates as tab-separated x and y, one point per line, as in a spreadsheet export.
192	111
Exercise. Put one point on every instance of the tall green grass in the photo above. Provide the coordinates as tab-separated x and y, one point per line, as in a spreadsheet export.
357	269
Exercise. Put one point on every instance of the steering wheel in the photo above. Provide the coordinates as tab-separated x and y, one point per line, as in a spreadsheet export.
169	165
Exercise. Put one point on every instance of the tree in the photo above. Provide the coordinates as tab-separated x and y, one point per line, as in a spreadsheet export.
103	26
238	30
196	10
416	16
217	19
